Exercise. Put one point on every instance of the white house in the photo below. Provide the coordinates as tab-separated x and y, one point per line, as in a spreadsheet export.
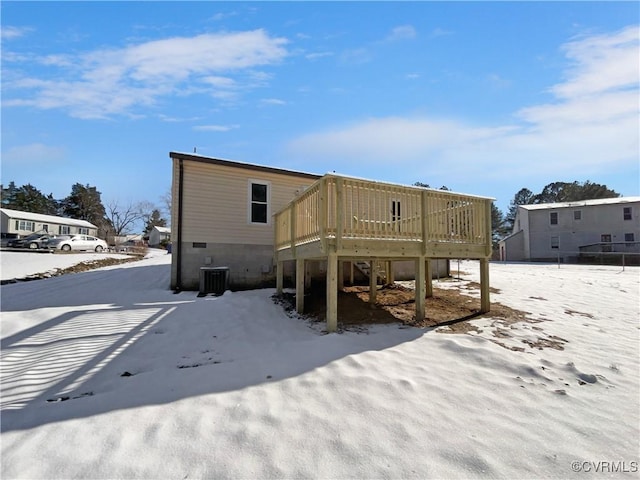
222	216
571	230
159	234
20	223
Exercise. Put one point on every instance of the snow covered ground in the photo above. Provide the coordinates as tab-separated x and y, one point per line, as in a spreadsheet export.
108	374
22	264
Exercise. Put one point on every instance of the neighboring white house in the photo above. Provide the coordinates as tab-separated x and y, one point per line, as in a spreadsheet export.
24	223
159	234
567	231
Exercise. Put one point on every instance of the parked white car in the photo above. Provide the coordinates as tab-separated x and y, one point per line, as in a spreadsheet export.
79	242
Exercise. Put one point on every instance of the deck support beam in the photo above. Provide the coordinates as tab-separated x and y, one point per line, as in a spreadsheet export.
340	275
485	302
420	292
373	280
332	292
300	275
428	274
279	276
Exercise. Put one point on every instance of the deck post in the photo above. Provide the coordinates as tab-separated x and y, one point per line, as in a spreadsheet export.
332	292
389	272
300	285
428	274
279	276
485	303
420	292
373	280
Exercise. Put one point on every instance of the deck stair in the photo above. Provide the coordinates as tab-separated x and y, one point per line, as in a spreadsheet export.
365	268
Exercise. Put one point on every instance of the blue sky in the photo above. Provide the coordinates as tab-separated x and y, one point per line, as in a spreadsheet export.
485	98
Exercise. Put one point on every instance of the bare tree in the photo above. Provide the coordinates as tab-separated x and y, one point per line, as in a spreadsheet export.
166	203
124	217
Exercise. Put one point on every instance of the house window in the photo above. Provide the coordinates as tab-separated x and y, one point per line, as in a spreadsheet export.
605	238
553	218
629	237
555	242
83	231
64	230
25	225
45	227
577	214
259	202
627	213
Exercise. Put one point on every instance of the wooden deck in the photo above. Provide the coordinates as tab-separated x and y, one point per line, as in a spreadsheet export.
343	219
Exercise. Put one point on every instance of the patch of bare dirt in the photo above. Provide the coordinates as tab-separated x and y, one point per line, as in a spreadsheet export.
450	307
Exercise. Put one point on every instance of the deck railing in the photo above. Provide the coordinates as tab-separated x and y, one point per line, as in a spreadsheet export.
337	207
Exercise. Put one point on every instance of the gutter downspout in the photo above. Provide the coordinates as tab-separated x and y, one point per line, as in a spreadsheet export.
178	287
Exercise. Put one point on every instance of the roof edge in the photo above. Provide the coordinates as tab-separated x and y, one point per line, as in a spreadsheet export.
247	166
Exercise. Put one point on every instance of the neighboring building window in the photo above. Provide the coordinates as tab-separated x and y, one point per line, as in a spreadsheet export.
64	230
577	214
259	202
629	237
25	225
83	231
555	242
627	213
553	218
605	238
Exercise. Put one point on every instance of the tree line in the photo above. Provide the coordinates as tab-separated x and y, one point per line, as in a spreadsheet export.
555	192
85	203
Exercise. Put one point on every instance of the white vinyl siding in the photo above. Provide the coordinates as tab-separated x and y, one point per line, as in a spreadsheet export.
216	202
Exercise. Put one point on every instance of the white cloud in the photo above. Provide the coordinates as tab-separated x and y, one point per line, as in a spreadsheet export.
110	82
601	63
403	32
313	56
9	32
215	128
33	154
592	127
272	101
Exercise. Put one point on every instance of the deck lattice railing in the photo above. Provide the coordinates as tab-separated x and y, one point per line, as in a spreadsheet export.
336	207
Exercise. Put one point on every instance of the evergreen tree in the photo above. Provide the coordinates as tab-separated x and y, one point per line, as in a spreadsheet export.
28	199
9	195
84	203
523	197
498	226
155	220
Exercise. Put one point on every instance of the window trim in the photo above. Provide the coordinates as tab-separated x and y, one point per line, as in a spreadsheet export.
627	213
26	225
250	201
553	215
